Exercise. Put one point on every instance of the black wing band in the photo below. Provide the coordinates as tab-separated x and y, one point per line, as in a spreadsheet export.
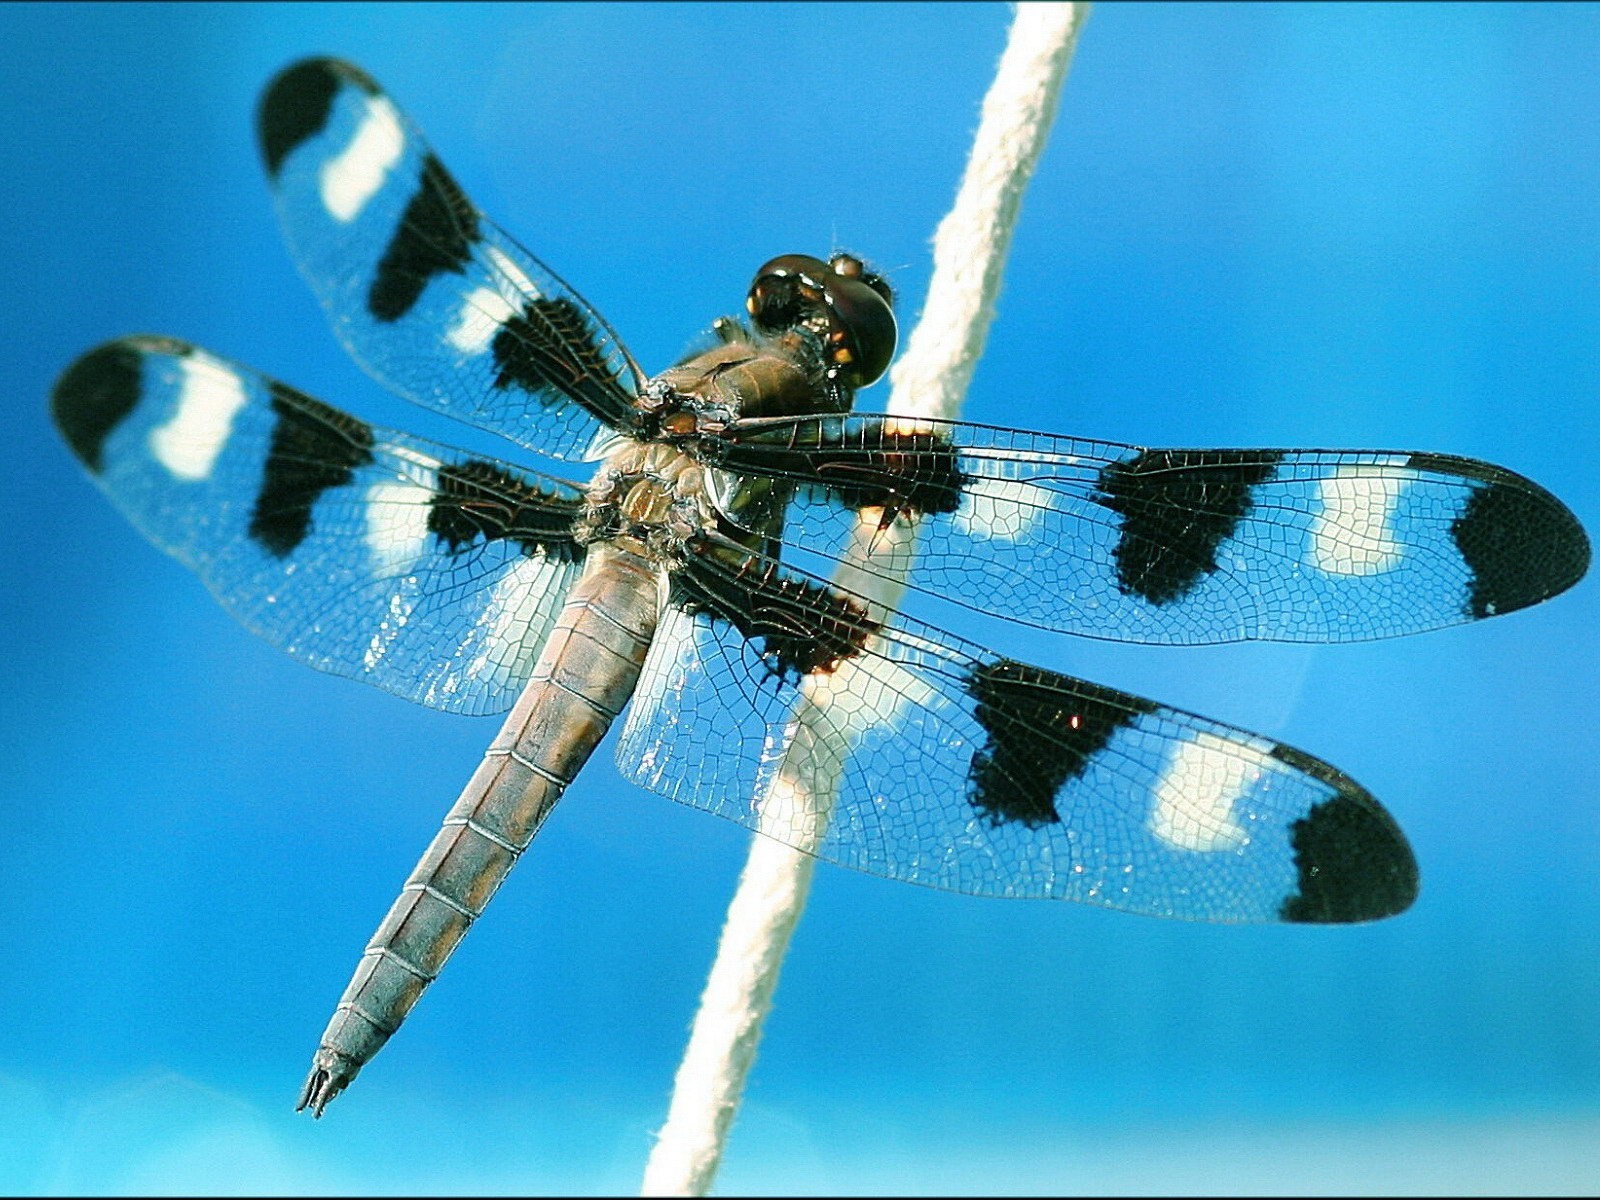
1171	546
896	749
428	571
424	291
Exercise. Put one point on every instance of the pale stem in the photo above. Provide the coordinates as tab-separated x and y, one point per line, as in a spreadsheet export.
929	381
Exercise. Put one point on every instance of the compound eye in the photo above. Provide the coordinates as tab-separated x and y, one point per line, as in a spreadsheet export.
786	291
863	332
841	302
852	267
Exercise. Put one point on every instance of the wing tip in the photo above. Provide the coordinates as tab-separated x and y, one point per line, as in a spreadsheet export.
1522	544
100	388
1354	863
296	103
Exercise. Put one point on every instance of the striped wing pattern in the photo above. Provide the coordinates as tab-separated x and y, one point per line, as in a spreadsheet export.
895	749
771	697
1173	546
423	290
424	570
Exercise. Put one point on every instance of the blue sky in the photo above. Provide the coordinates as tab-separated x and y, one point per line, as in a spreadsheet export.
1367	226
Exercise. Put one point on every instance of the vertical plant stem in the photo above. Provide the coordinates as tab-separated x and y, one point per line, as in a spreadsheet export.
929	381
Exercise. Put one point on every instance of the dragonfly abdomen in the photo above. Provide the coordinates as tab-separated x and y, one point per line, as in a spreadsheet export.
583	677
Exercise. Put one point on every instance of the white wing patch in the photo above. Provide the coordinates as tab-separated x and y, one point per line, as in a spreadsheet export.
397	523
398	510
1204	781
209	398
1353	534
354	176
488	308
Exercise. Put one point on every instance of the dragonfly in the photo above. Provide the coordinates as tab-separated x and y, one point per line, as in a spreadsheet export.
671	585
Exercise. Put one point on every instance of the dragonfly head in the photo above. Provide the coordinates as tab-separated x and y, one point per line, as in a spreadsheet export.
849	308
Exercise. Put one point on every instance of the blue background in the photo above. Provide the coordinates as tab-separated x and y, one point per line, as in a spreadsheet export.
1341	225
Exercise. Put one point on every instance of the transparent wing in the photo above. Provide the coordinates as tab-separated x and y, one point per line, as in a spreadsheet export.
426	571
1168	546
773	700
422	289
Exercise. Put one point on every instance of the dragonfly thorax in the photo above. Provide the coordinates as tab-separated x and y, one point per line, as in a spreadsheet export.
647	493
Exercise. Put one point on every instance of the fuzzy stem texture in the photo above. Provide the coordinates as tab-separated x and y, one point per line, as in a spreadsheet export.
929	381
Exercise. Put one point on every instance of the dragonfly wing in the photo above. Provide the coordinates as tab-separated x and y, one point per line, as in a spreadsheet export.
427	571
423	290
895	749
1172	546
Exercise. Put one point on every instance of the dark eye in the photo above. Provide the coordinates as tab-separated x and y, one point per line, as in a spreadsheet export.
786	291
842	303
852	267
869	326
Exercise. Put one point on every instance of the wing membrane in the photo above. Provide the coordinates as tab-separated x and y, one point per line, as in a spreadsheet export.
1171	546
897	750
421	569
422	289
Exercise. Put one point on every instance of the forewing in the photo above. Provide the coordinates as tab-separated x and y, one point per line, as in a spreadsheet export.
773	700
422	289
1172	546
421	569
